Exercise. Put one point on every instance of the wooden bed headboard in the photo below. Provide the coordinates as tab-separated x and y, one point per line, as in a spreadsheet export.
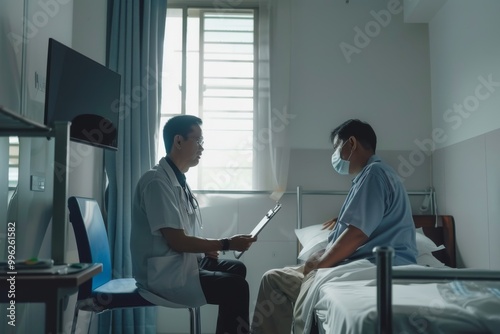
442	234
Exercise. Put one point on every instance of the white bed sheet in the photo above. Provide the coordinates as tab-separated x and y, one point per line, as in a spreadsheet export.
350	307
346	303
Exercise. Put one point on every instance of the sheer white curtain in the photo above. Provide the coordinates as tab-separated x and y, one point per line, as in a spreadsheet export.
273	120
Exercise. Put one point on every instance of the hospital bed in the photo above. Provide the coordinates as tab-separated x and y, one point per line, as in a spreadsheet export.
432	297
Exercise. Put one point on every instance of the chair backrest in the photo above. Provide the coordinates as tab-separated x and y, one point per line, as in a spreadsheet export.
91	238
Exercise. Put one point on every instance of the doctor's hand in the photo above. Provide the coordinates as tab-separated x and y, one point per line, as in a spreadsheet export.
329	224
241	242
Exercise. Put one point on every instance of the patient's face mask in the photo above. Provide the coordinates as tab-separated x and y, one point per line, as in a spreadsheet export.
340	165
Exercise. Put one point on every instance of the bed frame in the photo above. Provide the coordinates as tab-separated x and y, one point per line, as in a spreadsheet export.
440	229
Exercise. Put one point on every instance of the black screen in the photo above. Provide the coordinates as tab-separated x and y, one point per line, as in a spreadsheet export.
84	92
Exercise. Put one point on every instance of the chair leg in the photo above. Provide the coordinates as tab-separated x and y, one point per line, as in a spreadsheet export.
195	320
90	322
75	320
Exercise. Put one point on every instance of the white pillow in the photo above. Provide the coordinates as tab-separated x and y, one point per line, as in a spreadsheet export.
424	244
312	239
425	247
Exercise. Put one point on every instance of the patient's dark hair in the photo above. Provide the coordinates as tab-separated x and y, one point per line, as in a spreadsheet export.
362	131
178	125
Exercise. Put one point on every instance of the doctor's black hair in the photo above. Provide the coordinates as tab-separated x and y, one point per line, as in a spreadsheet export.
178	125
362	131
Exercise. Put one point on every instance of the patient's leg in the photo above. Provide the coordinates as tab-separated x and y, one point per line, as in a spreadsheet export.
299	317
278	291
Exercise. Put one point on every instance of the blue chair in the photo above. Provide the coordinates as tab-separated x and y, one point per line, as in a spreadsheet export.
103	293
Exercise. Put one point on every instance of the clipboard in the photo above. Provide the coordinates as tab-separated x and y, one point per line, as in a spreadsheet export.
260	226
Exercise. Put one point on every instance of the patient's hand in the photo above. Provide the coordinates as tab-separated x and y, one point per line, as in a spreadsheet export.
312	263
329	224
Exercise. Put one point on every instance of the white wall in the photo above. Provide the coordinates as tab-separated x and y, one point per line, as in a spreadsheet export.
43	19
11	45
89	38
356	60
345	64
465	53
10	92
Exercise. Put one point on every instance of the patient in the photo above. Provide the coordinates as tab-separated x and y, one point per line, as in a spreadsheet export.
376	212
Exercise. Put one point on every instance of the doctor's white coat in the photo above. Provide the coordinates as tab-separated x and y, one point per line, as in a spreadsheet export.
161	202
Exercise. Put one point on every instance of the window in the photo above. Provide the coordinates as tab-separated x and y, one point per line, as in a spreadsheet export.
13	162
209	70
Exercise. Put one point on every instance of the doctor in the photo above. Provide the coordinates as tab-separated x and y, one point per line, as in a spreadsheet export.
166	251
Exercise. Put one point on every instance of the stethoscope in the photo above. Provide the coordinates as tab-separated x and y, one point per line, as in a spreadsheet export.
192	205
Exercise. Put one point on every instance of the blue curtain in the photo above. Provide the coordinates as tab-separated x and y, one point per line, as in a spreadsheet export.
135	50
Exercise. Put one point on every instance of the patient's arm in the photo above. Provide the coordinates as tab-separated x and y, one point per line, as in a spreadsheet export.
342	248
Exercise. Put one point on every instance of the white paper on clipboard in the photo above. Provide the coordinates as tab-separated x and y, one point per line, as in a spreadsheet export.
260	226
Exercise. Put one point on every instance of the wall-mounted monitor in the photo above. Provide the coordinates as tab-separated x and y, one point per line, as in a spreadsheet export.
84	92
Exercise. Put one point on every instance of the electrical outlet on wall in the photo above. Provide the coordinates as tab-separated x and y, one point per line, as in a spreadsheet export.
37	183
40	81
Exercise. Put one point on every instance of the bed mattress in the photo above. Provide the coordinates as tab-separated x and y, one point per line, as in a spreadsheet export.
454	307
